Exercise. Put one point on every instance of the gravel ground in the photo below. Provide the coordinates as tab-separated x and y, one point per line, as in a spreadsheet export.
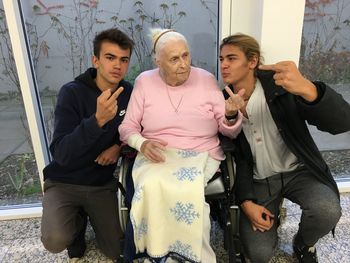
339	163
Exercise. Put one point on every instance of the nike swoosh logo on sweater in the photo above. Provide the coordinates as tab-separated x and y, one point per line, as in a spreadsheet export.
122	112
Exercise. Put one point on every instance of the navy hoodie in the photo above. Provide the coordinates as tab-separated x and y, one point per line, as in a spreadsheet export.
77	139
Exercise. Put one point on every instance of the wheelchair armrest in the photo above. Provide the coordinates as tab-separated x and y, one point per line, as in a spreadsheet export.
126	150
226	144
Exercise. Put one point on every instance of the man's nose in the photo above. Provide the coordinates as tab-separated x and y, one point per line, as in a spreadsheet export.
117	63
223	64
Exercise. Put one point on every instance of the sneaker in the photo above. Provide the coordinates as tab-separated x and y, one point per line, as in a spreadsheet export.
304	253
77	249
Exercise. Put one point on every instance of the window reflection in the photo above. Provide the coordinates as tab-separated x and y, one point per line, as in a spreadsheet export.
325	55
62	33
19	178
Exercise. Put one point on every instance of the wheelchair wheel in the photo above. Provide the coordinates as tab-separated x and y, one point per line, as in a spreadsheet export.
123	210
234	246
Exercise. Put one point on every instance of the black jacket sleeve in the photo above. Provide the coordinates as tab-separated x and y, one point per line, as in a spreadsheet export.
73	135
330	112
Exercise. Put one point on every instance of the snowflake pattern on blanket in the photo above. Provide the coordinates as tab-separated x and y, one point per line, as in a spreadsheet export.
140	229
187	153
187	173
139	162
138	193
184	212
168	204
183	249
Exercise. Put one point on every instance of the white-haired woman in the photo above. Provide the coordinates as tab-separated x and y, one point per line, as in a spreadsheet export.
173	119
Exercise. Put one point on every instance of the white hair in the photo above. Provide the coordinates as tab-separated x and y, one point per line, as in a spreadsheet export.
161	36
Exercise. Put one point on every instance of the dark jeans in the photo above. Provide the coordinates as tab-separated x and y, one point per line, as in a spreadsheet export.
320	211
62	218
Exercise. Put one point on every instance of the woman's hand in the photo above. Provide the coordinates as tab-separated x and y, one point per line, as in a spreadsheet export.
152	150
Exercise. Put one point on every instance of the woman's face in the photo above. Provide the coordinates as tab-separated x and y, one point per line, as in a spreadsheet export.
174	62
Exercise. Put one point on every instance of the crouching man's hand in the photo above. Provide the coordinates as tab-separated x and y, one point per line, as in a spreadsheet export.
260	217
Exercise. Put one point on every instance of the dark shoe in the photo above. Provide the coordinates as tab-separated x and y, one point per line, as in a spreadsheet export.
78	247
304	253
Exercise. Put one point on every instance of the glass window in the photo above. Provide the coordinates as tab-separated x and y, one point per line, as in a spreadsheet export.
325	56
19	178
61	34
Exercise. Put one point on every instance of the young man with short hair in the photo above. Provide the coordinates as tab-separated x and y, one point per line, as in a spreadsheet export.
276	156
79	182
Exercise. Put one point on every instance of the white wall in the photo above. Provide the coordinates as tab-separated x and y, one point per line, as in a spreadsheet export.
277	25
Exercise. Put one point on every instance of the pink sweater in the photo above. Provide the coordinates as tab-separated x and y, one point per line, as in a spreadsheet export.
199	118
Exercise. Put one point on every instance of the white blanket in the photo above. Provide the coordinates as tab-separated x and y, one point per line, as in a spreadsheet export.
167	206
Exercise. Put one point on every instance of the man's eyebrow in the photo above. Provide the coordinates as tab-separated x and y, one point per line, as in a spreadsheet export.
110	54
228	56
114	56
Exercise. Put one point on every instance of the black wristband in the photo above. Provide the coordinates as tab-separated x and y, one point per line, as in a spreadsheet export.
231	117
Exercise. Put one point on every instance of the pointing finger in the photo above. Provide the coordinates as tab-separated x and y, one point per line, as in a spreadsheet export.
229	91
281	66
116	94
268	67
232	95
241	92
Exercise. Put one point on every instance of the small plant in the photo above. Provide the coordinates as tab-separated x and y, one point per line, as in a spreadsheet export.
325	52
32	189
22	175
17	179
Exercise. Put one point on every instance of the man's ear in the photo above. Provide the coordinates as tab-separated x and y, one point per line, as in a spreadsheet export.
253	62
94	61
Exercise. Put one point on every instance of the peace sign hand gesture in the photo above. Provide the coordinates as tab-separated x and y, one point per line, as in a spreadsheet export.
234	102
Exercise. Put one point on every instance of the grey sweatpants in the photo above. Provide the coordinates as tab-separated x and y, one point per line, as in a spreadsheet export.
62	220
320	211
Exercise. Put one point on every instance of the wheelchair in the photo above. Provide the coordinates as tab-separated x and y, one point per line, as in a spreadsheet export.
219	194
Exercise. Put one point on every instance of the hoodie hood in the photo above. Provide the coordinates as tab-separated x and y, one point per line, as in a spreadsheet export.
88	78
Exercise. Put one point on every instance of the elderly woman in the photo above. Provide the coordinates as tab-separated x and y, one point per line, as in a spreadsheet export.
173	119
